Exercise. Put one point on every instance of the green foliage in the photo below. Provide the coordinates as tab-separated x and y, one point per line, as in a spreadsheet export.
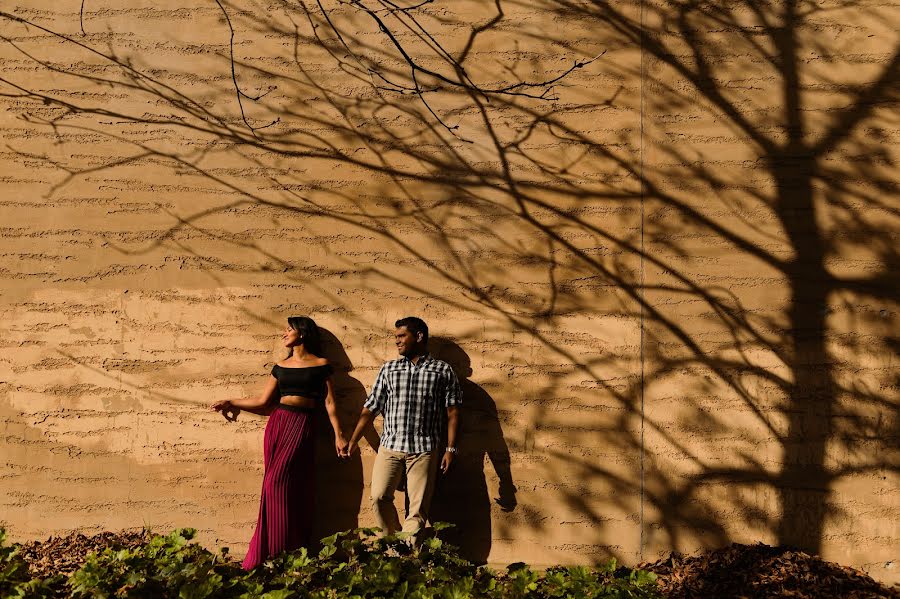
578	581
167	566
16	581
356	564
13	569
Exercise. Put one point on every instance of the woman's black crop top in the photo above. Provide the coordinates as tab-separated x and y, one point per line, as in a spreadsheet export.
305	382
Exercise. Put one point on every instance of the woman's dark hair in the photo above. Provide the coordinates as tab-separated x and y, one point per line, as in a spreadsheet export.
309	333
414	325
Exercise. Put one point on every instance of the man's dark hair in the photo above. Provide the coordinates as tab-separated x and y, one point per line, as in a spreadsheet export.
415	326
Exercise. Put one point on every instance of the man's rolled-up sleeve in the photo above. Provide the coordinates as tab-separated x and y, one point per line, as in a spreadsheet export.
453	395
378	397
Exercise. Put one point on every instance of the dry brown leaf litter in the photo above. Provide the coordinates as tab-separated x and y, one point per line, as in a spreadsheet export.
761	571
64	555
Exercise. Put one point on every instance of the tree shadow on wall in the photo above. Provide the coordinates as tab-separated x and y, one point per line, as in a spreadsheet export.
462	495
776	366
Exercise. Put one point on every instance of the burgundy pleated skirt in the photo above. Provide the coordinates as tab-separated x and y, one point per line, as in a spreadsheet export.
288	491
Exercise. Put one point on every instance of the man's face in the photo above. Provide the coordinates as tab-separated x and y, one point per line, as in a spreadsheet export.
407	342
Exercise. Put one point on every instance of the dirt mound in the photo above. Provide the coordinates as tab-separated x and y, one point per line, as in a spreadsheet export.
63	555
761	571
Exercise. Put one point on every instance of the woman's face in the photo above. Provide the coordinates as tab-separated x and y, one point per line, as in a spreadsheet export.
290	337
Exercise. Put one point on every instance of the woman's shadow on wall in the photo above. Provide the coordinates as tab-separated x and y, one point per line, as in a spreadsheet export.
461	496
339	481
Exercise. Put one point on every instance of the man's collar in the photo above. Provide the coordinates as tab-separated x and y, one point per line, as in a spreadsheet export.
426	357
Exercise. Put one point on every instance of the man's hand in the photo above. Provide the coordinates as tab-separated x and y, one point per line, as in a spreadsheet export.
446	461
365	418
352	446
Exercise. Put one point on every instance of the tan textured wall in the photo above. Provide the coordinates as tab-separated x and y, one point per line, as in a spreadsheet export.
669	286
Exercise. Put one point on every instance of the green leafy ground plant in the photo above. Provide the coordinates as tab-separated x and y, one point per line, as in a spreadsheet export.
357	564
16	581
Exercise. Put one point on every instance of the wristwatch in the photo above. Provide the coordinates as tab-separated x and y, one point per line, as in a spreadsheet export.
451	450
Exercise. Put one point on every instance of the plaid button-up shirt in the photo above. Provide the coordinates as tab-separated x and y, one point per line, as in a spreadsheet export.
413	398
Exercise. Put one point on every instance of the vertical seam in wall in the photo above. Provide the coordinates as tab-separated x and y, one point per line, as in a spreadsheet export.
641	292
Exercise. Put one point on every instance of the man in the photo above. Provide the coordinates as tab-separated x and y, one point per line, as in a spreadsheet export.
412	393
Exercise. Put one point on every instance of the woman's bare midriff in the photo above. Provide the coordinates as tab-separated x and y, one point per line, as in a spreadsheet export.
298	401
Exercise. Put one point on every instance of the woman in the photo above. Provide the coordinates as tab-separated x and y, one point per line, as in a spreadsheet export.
291	395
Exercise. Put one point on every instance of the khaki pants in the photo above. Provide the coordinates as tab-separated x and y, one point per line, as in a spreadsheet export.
387	473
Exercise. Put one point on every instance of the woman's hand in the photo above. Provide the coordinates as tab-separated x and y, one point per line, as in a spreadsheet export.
229	411
341	446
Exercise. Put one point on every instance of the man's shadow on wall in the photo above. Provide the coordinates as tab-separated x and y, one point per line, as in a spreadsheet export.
339	482
461	496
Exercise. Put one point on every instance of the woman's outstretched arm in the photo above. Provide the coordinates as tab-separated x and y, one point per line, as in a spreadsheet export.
340	444
261	405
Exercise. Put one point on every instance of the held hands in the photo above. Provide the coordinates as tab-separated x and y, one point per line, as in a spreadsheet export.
351	448
340	446
229	411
